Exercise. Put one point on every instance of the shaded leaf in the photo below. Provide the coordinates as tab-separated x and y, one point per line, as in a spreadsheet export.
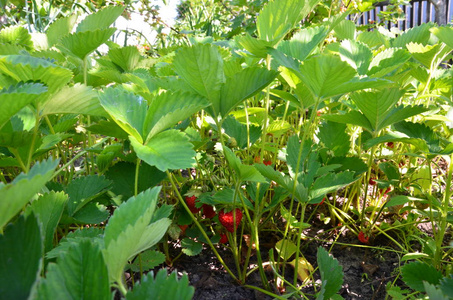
14	98
162	287
48	208
80	273
83	189
20	191
148	260
20	260
331	275
415	273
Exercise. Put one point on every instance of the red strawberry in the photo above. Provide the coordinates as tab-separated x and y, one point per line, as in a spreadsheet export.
227	219
223	238
208	211
390	145
191	204
362	238
267	162
372	181
183	229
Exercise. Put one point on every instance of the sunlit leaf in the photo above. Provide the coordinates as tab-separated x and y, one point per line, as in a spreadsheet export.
101	19
278	17
83	43
167	150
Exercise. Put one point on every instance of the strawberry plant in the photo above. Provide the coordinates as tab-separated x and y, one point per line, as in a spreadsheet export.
116	162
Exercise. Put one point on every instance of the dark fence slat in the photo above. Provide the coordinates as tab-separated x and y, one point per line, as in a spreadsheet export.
417	13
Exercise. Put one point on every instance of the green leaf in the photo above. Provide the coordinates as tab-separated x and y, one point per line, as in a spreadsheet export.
357	54
93	234
330	182
429	55
434	292
327	76
278	17
271	174
401	113
419	34
122	175
80	273
162	287
129	231
376	106
190	247
346	30
244	172
108	128
229	197
445	34
84	189
390	170
239	131
293	157
170	149
92	213
102	19
255	46
14	98
17	194
20	259
127	58
16	35
126	109
27	68
331	275
147	260
285	248
353	117
419	131
372	38
446	285
76	99
201	66
48	208
304	42
167	109
59	28
387	61
83	43
334	136
415	273
242	86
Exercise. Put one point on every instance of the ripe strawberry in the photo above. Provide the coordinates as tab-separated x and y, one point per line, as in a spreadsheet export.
183	229
191	204
390	145
223	238
267	162
372	181
362	238
208	211
227	219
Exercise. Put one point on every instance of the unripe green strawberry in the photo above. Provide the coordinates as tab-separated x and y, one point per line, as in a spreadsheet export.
227	219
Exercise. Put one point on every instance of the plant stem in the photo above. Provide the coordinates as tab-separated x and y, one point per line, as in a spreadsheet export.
194	219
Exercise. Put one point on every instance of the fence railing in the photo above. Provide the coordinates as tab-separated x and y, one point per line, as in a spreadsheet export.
417	13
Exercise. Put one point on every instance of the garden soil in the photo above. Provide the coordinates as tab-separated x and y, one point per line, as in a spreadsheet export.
366	270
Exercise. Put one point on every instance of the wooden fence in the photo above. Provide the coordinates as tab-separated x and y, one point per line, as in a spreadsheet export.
418	12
